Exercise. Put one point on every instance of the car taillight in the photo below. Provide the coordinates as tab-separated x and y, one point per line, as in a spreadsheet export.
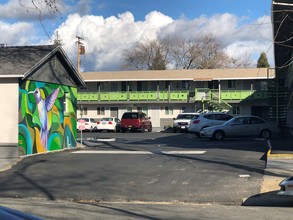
98	122
110	123
195	121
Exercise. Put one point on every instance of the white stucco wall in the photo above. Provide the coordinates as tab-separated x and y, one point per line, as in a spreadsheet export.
9	112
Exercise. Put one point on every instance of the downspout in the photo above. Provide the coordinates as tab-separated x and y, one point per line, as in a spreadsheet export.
219	90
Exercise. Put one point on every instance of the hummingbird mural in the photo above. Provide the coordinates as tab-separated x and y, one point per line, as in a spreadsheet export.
44	106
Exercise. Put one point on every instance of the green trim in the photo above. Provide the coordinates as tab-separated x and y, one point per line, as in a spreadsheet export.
201	94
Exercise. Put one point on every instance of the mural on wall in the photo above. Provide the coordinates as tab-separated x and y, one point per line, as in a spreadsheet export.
47	117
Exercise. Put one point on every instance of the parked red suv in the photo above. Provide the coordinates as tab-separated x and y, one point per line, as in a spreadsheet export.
136	121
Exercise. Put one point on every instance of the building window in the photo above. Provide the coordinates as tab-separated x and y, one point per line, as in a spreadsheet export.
83	110
167	83
236	110
232	84
183	109
100	110
261	85
168	110
143	109
185	84
98	86
82	88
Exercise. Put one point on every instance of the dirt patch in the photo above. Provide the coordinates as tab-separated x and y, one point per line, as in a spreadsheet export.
270	183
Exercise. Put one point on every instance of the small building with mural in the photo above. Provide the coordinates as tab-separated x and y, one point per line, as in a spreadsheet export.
38	91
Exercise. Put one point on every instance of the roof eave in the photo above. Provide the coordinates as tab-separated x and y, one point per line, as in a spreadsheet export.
44	59
11	76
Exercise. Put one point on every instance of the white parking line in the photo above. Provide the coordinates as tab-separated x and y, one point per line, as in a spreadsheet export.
138	152
184	152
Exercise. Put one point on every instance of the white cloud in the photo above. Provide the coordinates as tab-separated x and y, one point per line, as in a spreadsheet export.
106	38
20	33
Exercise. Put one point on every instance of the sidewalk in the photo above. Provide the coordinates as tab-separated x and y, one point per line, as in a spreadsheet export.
279	163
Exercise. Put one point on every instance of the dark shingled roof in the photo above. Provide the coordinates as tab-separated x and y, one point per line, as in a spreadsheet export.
20	61
16	61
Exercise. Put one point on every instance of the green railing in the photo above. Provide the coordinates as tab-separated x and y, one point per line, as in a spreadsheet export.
200	94
134	96
203	94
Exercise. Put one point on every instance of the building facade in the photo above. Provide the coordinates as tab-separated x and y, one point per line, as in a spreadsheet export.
164	94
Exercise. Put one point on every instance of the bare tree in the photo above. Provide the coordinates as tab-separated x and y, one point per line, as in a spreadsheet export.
43	8
184	53
242	62
205	52
50	5
150	55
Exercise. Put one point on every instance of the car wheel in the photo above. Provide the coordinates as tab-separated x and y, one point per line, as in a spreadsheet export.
150	129
197	135
266	134
142	129
218	135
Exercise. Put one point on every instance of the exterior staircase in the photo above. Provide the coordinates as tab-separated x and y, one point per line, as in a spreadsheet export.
218	104
277	100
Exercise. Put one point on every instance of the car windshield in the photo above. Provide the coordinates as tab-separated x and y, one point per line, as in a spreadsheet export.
232	120
185	116
130	116
107	119
85	119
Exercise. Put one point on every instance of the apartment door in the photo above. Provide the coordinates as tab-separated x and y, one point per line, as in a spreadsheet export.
114	112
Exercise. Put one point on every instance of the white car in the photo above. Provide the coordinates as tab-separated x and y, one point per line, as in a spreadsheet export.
182	121
86	124
208	119
109	124
286	187
241	126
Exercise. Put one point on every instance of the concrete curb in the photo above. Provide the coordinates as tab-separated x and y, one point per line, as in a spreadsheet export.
277	156
9	164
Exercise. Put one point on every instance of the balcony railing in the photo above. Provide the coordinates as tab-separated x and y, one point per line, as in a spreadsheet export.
200	94
204	94
134	96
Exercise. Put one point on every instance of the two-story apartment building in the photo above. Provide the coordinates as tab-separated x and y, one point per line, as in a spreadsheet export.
164	94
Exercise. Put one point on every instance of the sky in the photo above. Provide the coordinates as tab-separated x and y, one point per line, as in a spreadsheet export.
108	27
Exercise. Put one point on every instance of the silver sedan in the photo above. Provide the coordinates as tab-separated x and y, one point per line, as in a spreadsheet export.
241	126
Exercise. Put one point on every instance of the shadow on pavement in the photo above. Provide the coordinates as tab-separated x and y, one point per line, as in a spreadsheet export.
270	199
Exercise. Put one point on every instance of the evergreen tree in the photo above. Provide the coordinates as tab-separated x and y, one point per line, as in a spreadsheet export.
262	61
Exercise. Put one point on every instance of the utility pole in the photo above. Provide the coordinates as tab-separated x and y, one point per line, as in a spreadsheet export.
80	51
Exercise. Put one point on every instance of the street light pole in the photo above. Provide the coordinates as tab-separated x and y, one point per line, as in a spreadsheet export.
80	51
81	111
